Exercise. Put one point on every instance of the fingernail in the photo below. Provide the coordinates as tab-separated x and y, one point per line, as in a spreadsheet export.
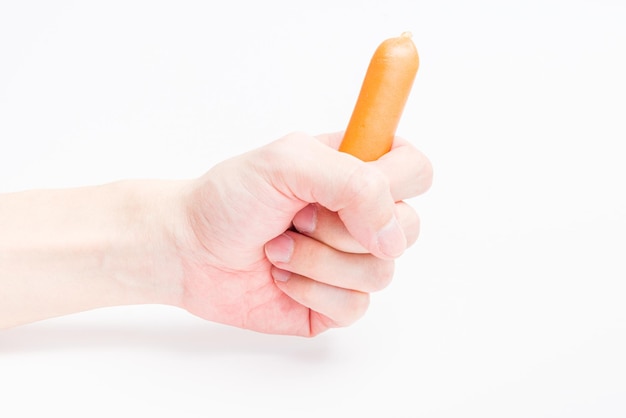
280	249
306	219
280	275
390	240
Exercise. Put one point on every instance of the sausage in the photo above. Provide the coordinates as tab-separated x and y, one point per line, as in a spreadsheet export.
382	98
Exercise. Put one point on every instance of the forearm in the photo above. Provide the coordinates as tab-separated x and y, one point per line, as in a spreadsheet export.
65	251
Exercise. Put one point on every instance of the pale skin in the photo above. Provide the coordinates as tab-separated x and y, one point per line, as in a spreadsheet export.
290	238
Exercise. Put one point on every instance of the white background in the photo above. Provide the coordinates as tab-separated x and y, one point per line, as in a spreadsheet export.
512	304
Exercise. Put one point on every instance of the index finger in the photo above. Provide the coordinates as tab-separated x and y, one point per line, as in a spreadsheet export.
409	171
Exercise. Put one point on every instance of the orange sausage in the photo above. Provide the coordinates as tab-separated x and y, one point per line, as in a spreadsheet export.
384	93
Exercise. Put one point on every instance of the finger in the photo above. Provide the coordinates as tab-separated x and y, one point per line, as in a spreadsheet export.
303	168
325	226
310	258
409	171
342	306
410	221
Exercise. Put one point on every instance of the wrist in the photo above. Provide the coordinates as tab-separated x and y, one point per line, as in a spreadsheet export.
143	258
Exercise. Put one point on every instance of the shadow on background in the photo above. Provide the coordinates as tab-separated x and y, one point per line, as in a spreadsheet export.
175	334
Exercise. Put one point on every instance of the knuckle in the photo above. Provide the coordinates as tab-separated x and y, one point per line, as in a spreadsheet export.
264	156
425	176
365	180
356	308
382	274
410	221
282	161
421	171
413	232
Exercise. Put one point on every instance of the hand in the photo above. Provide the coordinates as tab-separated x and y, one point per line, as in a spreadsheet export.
291	238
